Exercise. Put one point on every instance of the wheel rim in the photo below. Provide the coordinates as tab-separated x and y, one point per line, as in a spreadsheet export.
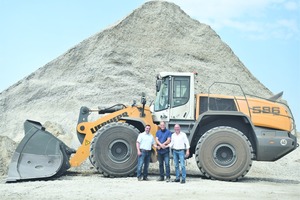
119	151
224	155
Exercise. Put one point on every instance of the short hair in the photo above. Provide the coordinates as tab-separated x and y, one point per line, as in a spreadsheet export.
177	125
147	125
162	122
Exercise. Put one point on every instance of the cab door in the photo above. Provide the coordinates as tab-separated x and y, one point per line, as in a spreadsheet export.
181	98
162	101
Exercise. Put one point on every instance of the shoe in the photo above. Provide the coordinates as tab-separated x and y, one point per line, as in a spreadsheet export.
176	180
182	181
160	179
145	179
139	178
168	180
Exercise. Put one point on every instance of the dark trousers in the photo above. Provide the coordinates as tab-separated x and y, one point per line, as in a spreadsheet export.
164	159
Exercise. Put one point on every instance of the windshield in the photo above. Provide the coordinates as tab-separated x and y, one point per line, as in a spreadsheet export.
162	96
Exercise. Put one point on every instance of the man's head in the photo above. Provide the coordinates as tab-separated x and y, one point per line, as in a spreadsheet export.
147	128
177	128
162	125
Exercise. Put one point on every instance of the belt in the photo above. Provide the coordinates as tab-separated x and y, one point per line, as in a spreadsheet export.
143	150
178	149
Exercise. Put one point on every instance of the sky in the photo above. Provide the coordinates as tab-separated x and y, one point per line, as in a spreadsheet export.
264	34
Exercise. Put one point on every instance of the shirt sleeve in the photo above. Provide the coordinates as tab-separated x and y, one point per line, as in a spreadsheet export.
169	134
139	139
186	142
157	134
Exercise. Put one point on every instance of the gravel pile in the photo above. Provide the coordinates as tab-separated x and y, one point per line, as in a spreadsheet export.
7	148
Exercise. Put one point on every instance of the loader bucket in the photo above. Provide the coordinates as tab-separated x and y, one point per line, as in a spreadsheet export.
39	155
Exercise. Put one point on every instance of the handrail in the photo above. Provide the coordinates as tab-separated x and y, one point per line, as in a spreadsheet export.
226	83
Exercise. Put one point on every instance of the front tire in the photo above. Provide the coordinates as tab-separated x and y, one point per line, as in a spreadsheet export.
224	153
113	150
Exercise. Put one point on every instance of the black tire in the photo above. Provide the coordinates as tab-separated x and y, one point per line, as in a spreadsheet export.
224	153
113	150
99	170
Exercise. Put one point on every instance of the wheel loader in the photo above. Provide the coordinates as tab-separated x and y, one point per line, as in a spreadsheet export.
226	133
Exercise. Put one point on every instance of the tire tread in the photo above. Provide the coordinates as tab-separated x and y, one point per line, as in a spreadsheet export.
209	132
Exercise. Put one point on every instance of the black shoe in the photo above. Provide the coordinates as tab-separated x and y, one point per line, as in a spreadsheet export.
160	179
182	181
145	179
176	180
139	178
168	179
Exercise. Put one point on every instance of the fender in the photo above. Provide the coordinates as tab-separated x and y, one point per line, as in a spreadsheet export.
136	122
239	121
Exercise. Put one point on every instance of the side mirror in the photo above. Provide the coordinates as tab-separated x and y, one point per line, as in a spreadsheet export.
158	84
143	98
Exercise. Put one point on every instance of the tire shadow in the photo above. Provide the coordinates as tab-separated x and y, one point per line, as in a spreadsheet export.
190	175
270	180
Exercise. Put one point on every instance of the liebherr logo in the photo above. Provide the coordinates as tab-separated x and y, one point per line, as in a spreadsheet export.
115	119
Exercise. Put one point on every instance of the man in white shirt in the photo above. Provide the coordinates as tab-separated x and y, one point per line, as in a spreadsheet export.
180	146
144	144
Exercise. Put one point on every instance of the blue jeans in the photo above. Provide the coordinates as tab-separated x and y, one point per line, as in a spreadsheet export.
179	156
143	159
164	158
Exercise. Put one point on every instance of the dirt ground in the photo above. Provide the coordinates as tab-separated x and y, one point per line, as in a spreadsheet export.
275	180
94	186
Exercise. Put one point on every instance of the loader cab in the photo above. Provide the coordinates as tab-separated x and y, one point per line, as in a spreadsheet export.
174	97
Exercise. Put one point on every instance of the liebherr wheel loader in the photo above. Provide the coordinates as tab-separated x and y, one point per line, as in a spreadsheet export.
226	133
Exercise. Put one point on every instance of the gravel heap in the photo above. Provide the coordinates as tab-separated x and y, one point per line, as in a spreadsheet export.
7	148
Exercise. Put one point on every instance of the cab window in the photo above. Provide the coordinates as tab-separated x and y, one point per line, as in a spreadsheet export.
181	91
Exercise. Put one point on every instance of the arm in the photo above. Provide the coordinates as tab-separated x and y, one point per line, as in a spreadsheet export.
170	144
187	153
154	146
153	143
187	146
167	141
158	143
165	144
138	148
138	141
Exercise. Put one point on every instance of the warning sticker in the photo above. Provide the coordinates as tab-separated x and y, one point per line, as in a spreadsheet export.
87	142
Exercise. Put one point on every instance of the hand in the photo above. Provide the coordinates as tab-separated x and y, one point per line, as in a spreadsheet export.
158	147
139	153
163	146
187	154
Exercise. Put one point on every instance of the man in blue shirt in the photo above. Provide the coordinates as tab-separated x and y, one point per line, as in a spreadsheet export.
163	138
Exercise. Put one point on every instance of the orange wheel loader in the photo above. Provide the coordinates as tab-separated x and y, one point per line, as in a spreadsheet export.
226	133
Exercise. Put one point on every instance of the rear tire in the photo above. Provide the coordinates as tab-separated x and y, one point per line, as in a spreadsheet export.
113	150
224	153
